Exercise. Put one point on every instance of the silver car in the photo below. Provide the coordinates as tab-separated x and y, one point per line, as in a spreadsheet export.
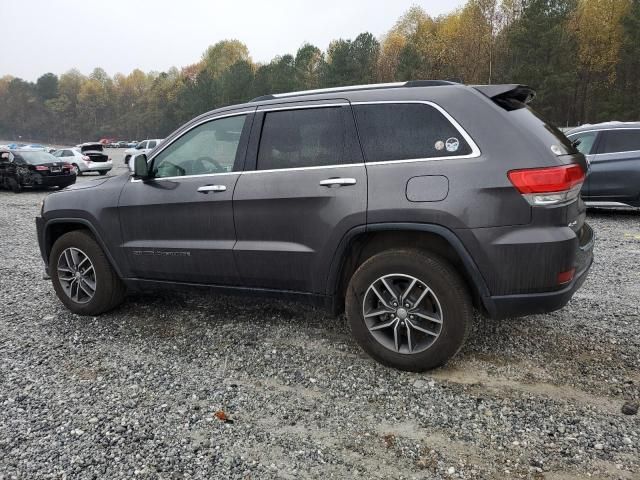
85	158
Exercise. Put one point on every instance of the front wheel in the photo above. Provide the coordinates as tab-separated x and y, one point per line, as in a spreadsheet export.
409	309
82	276
102	172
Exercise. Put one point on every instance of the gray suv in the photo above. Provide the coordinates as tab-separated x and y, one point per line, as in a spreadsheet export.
405	205
613	152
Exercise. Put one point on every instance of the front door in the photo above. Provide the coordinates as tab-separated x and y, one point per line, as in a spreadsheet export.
178	225
305	188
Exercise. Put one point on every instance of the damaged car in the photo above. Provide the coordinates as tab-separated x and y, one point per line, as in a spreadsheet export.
33	168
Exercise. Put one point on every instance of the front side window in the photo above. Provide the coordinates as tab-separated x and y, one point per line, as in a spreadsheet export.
152	144
141	146
622	140
58	153
584	141
404	131
302	138
206	149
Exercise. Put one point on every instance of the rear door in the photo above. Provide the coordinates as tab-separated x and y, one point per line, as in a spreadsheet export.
305	187
178	226
615	168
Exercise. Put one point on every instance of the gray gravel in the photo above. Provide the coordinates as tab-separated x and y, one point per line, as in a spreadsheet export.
135	392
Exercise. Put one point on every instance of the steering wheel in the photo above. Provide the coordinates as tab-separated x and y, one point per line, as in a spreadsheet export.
201	162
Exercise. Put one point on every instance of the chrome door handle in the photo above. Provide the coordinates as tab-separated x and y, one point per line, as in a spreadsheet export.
212	188
337	182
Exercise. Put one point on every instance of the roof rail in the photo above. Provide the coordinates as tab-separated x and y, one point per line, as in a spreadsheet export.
372	86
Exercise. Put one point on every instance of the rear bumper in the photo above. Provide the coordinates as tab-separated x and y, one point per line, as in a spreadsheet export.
98	167
56	181
505	306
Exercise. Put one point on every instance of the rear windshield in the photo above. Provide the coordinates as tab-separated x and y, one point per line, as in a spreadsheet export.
95	147
545	131
37	158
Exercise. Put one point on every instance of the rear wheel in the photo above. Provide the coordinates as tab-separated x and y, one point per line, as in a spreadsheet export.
103	172
76	169
82	276
409	309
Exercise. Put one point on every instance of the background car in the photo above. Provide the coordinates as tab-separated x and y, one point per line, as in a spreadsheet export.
145	146
613	152
33	168
86	158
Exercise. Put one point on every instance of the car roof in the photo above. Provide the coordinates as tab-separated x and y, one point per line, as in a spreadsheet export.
613	125
346	92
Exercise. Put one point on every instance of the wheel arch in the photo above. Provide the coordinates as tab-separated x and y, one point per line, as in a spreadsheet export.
363	242
57	227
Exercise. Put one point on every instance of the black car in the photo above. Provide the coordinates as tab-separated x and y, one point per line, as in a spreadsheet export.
33	168
404	205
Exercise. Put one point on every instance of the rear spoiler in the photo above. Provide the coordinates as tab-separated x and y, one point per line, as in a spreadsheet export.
507	93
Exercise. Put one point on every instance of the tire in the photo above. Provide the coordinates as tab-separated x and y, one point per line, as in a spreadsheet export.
78	171
446	299
102	172
126	159
109	289
15	186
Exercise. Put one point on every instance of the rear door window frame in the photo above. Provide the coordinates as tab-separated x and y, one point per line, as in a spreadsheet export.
475	150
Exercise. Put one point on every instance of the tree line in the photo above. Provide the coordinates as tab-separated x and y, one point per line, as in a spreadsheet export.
581	56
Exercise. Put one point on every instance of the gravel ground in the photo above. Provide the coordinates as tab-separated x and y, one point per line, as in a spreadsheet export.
135	392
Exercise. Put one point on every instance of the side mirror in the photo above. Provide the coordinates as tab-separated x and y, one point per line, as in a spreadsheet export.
140	166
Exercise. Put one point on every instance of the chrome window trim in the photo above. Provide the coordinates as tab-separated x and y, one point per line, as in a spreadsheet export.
294	169
475	150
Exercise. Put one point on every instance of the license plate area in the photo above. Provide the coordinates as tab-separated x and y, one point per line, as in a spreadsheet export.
56	169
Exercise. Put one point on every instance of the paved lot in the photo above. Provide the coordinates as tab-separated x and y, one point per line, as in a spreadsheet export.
135	392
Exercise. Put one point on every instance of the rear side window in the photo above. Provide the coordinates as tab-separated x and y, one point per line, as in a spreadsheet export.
403	131
622	140
302	138
152	144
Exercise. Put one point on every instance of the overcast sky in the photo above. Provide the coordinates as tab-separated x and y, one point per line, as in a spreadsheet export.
40	36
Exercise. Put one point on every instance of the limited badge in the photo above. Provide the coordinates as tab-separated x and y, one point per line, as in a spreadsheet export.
439	145
452	144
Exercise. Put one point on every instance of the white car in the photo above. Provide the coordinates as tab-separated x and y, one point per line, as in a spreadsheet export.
145	146
86	158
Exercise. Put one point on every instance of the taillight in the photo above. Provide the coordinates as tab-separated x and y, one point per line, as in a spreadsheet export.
548	186
85	158
42	168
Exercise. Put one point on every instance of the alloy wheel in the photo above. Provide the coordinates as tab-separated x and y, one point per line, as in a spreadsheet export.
402	313
77	275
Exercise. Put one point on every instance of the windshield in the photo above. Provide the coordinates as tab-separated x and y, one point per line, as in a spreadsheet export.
37	158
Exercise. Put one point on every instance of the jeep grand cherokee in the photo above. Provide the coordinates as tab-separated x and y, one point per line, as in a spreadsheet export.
405	205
